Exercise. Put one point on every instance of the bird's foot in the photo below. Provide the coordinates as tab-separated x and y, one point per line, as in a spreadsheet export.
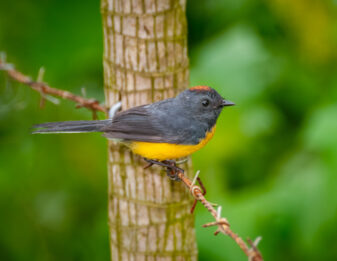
172	170
171	167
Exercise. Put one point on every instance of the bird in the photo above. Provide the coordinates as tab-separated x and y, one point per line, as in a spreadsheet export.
160	132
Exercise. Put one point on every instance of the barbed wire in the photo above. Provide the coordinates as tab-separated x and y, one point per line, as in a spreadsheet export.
48	92
221	223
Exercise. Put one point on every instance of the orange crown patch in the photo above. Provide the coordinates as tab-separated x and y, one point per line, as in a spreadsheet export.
200	88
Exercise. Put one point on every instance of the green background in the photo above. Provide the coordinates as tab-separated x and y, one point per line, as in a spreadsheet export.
272	164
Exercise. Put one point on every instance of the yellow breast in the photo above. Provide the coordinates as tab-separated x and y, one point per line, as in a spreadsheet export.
165	151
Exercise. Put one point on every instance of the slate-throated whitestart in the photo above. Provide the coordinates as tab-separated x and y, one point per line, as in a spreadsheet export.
164	130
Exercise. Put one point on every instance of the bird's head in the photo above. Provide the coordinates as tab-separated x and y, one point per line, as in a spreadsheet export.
203	102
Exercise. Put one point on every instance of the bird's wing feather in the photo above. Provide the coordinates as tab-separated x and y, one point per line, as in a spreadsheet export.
135	124
157	122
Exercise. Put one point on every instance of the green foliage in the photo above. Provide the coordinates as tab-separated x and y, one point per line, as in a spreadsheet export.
271	165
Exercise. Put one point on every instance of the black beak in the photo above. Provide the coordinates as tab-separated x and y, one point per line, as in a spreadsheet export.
227	103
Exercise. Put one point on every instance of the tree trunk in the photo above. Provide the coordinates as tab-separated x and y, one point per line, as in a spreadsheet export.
145	60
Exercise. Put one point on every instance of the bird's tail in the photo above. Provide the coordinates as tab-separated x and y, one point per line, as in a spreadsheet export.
71	126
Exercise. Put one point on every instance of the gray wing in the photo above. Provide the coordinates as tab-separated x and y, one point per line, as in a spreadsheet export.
135	124
157	122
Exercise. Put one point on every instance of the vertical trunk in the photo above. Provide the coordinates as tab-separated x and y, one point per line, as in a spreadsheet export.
145	60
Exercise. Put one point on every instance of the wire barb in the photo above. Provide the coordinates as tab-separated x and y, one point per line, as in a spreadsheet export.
219	212
114	109
192	187
195	178
40	74
182	161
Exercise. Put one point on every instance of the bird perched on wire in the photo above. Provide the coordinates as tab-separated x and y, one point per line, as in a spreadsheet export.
161	131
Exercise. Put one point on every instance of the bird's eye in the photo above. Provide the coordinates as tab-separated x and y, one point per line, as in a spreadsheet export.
205	103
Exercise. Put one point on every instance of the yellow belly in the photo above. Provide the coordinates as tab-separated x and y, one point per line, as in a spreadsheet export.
165	151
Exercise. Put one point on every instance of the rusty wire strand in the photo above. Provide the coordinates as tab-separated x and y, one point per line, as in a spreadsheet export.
44	88
251	252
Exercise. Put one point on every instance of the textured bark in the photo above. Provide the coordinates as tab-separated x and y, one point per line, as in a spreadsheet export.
145	60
